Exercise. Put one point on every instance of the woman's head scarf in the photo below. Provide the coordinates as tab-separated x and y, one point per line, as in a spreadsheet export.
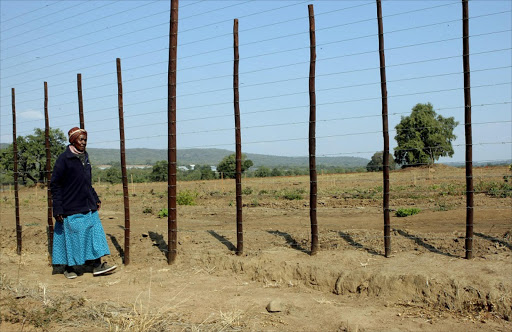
74	133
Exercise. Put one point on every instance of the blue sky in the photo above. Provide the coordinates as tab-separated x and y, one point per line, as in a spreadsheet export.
52	41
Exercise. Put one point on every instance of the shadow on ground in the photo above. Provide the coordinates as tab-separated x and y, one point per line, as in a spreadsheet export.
494	240
158	241
347	237
222	239
289	240
422	243
116	244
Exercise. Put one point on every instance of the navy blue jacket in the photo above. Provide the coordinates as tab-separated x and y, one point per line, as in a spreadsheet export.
71	186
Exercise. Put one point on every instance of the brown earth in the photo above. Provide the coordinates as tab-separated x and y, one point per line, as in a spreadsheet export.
425	285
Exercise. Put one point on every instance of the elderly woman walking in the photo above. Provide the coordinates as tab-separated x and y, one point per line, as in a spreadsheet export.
79	237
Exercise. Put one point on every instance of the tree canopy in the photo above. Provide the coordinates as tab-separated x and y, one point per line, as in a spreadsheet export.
262	172
376	164
159	171
423	137
32	154
227	166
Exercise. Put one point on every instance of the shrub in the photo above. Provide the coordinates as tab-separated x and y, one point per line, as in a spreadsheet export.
441	206
187	197
451	190
405	212
292	195
163	213
247	191
495	189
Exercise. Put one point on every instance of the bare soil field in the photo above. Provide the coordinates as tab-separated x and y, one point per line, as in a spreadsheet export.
276	285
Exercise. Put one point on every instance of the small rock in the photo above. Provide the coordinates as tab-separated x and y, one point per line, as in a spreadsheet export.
275	306
144	235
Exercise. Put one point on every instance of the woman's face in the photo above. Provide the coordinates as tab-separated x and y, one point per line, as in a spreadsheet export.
80	143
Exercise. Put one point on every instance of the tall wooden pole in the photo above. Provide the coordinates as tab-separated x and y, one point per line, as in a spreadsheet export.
468	132
123	165
80	101
172	224
48	170
238	144
312	134
16	188
385	133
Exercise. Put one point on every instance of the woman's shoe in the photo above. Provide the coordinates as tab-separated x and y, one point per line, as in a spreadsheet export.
103	268
70	274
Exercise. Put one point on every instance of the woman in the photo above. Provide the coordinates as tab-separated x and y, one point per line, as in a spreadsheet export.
79	237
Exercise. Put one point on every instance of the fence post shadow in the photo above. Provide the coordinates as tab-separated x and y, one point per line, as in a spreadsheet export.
290	241
222	239
494	240
116	244
347	237
422	243
158	241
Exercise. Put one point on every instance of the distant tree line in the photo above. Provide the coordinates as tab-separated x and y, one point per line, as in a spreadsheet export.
422	138
225	170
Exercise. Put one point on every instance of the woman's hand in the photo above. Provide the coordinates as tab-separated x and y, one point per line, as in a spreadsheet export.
98	204
59	218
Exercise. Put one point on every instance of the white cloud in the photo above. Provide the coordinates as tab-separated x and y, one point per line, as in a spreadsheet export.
31	115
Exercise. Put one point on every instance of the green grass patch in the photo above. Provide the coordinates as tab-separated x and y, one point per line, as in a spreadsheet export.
291	195
405	212
452	189
441	206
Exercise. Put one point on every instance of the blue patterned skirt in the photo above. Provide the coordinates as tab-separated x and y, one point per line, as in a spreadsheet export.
79	238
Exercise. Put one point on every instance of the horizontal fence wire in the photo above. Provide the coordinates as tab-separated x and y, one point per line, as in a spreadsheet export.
440	23
424	65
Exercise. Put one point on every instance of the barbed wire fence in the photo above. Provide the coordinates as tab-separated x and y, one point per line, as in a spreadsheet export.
424	61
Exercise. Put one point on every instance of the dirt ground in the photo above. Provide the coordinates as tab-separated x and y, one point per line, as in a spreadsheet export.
276	285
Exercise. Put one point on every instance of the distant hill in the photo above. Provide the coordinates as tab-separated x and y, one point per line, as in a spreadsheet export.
213	157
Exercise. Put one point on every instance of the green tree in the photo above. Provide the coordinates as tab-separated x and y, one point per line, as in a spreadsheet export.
378	160
206	172
32	154
262	172
159	172
423	137
113	174
276	172
227	166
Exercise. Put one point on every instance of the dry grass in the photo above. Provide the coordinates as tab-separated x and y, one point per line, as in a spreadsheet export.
26	307
231	320
136	319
